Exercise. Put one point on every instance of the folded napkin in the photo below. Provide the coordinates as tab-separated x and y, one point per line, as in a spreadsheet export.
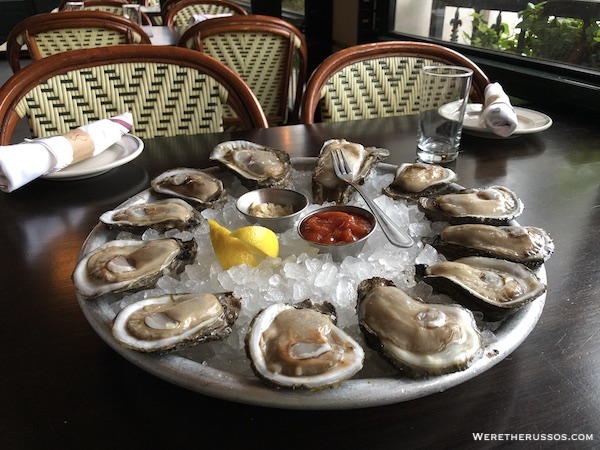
196	18
498	115
24	162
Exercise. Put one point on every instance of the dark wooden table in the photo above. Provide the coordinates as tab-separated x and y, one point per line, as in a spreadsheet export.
61	386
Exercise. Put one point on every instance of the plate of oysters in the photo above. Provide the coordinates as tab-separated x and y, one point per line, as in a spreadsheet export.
300	329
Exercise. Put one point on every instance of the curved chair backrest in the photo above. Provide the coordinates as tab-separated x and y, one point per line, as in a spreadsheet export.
181	15
51	33
265	51
378	80
111	6
169	91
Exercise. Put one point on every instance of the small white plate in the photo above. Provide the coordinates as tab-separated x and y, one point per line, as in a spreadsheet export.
129	147
528	121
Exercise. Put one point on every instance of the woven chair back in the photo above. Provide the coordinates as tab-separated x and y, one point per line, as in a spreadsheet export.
181	14
52	33
378	80
268	53
169	91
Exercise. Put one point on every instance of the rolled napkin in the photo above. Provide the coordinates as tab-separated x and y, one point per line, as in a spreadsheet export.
24	162
196	18
498	115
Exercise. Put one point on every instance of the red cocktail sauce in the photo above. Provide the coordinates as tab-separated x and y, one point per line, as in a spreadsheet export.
335	227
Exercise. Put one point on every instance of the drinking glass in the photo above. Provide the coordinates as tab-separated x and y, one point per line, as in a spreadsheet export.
443	101
133	13
74	6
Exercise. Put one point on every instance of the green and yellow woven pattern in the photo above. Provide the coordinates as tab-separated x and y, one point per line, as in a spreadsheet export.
380	87
57	41
165	100
260	59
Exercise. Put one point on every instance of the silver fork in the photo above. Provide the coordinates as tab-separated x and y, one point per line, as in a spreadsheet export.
395	235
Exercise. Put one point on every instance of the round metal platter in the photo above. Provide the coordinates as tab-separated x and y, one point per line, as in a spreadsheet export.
186	369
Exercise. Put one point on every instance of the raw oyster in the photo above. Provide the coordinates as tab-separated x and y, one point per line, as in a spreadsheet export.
495	287
195	185
326	186
415	180
128	265
255	165
417	337
160	215
299	346
494	205
170	322
526	245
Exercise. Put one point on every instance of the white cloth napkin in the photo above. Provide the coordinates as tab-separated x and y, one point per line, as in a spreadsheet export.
24	162
498	115
196	18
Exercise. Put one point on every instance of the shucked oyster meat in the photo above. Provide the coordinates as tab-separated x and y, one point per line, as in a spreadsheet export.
194	185
417	337
494	205
129	265
415	180
531	246
299	346
326	186
160	215
170	322
255	165
495	287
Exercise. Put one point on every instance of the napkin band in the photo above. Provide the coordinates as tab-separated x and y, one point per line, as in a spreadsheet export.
492	98
82	143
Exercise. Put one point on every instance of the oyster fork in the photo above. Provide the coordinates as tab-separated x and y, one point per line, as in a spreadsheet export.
395	235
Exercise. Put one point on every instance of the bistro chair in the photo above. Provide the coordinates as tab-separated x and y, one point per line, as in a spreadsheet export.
377	80
111	6
169	91
268	53
180	15
51	33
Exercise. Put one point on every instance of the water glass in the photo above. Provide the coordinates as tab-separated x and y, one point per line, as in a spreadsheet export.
74	6
443	101
132	12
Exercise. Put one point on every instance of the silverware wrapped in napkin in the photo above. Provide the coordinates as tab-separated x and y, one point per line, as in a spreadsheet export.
24	162
498	115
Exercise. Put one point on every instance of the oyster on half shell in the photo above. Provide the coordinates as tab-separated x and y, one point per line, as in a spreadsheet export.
495	287
299	346
255	165
414	180
417	337
160	215
531	246
193	185
326	186
493	205
129	265
171	322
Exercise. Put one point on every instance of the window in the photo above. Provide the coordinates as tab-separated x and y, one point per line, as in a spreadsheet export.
547	52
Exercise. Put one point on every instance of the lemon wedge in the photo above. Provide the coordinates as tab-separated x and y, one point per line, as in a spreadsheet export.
247	245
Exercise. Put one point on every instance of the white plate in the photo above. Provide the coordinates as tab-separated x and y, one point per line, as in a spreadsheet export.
528	121
381	387
128	148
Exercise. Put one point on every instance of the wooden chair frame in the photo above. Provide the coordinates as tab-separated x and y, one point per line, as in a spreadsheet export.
196	36
26	31
366	52
240	97
170	10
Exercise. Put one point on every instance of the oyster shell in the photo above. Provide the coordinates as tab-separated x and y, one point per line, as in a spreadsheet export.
415	180
326	186
194	185
255	165
170	322
493	205
299	346
417	337
495	287
128	265
160	215
530	246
